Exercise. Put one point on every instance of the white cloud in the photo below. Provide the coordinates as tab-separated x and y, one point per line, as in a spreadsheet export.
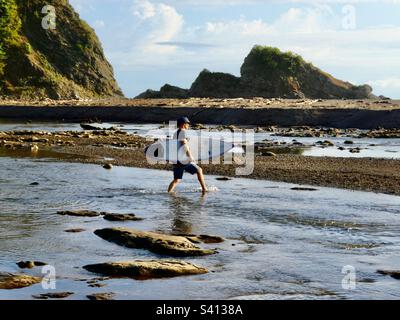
389	83
144	9
162	23
214	3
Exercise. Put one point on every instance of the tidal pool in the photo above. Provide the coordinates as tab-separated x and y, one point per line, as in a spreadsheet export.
280	243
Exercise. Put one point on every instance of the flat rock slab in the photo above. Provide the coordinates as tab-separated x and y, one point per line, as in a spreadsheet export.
146	269
53	295
154	242
395	274
121	217
101	296
17	281
80	213
202	238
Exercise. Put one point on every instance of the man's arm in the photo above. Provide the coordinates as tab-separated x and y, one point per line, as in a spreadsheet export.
187	150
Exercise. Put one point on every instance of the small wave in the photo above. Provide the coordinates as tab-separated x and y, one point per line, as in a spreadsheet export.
196	190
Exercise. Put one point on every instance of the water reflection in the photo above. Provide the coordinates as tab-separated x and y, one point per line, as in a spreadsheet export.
185	211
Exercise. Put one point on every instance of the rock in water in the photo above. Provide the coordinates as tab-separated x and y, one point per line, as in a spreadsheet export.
16	281
79	213
143	270
223	178
155	242
53	295
108	166
203	238
65	60
76	230
121	217
30	264
395	274
303	189
101	296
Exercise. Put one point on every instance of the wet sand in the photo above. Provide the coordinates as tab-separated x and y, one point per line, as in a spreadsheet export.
363	114
117	148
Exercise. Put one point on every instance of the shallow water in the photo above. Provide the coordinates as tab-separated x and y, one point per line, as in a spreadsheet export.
370	148
280	243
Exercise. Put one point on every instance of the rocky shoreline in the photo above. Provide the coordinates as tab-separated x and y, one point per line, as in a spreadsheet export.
362	114
272	162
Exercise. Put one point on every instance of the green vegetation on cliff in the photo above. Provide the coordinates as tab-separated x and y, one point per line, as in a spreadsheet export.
10	26
264	60
37	62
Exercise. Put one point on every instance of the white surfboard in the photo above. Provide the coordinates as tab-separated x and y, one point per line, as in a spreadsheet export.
202	148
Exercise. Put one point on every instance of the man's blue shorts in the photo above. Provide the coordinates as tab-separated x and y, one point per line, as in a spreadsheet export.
179	169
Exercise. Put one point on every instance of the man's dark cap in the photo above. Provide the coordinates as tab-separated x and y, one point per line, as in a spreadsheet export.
183	120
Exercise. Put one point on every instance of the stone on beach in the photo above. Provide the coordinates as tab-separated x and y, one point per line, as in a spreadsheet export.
154	242
146	269
268	154
15	281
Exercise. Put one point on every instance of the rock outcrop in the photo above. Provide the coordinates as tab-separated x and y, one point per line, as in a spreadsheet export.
154	242
40	59
165	91
269	73
147	269
215	85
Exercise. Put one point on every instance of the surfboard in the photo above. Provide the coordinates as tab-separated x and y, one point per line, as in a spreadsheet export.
202	148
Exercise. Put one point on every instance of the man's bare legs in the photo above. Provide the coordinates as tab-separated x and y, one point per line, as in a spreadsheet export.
200	176
173	185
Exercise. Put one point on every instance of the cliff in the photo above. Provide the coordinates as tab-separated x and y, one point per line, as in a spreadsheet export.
39	59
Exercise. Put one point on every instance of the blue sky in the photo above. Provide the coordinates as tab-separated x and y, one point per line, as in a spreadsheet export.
151	42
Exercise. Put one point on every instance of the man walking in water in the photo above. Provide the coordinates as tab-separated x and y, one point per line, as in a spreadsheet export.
191	167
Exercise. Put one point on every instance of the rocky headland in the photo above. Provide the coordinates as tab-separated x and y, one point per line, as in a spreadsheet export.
267	72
